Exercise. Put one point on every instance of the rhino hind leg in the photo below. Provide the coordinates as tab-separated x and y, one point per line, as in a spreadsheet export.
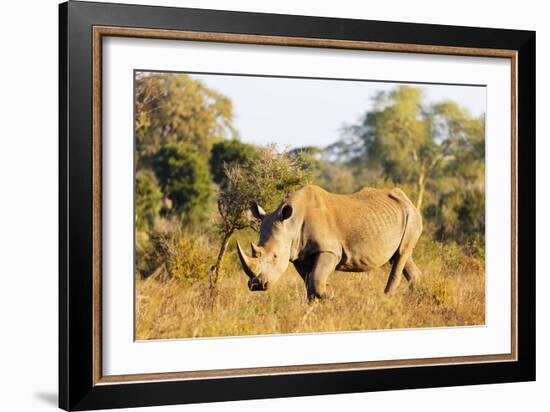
411	272
399	261
402	262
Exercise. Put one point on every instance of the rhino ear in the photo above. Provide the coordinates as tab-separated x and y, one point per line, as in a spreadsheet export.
257	211
286	212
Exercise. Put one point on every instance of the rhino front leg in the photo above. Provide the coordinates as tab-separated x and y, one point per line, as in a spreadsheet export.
325	264
304	268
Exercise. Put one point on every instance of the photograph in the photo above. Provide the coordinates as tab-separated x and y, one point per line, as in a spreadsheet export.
292	205
261	205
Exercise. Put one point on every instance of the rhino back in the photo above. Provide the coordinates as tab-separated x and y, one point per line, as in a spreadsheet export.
365	228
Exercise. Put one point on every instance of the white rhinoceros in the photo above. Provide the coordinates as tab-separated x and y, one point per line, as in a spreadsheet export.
320	232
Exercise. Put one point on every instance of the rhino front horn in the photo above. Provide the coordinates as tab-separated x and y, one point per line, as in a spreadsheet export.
248	263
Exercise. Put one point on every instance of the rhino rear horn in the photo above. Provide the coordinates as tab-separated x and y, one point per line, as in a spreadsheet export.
256	250
257	211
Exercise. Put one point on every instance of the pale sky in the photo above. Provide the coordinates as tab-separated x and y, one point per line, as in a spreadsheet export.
304	112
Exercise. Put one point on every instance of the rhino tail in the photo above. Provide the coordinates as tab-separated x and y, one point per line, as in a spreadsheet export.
412	225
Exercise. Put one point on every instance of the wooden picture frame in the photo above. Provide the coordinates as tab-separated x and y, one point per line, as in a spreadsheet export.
82	385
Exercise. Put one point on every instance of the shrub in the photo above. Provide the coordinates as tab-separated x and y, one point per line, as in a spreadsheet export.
227	153
145	254
148	200
436	291
184	178
265	181
186	257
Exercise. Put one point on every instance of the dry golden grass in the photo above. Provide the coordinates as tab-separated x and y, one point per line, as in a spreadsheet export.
450	293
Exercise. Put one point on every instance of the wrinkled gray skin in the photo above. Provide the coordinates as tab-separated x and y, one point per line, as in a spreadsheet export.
320	232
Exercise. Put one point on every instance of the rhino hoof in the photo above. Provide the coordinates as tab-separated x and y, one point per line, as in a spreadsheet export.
312	297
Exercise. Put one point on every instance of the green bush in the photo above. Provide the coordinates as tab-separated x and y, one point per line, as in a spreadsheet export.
146	261
148	200
174	107
185	256
227	153
183	174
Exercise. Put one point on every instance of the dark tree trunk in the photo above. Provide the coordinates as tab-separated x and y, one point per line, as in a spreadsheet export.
219	261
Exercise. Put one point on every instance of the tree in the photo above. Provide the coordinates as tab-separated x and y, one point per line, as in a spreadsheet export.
148	200
331	175
173	107
227	153
183	175
460	204
412	142
435	151
336	178
265	181
396	138
310	157
463	137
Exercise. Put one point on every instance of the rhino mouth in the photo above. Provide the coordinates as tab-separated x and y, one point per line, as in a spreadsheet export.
256	285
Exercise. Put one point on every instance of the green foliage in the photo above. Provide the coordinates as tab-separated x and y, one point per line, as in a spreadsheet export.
145	254
173	108
395	135
183	175
436	153
336	178
265	181
461	215
148	200
310	157
229	152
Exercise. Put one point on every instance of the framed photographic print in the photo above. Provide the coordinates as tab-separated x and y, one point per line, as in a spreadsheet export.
256	205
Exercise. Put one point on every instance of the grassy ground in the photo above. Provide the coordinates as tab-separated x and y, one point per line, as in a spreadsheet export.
450	293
